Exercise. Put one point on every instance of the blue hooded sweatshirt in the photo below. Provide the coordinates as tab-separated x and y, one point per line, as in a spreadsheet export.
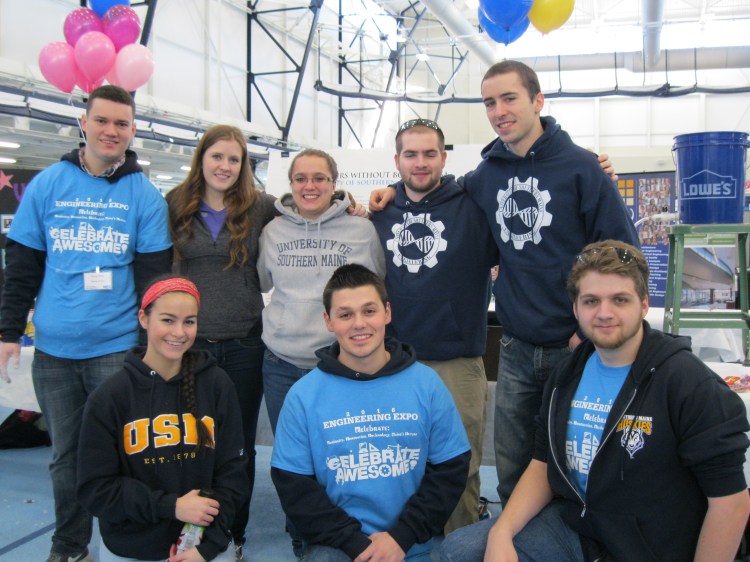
543	208
439	252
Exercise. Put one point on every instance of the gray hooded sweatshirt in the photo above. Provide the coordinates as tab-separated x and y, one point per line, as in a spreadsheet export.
297	258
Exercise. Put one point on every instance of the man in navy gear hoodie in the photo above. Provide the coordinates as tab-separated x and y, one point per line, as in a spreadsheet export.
439	253
544	198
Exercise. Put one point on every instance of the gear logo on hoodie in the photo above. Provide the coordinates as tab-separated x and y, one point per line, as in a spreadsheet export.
417	242
522	212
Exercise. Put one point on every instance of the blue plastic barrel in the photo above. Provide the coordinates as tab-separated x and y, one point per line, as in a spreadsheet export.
711	177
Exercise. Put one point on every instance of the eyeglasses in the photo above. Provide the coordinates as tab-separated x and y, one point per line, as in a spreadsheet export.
625	256
316	180
418	123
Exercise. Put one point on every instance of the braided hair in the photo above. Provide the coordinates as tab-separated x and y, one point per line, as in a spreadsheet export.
188	395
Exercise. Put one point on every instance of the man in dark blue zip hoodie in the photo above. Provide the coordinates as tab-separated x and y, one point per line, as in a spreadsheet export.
439	253
639	446
544	198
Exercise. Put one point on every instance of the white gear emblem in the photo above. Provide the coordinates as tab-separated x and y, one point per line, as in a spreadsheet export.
429	245
533	217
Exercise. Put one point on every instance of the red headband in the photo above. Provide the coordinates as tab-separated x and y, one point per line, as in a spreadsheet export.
169	286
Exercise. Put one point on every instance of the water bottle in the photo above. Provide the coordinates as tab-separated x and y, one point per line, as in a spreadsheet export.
192	534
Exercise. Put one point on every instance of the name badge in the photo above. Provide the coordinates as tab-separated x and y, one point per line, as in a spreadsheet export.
97	280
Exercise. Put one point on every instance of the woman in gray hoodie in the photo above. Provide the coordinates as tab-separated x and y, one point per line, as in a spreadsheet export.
299	251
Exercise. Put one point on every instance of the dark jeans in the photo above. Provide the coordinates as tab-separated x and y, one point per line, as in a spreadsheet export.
62	387
242	360
524	368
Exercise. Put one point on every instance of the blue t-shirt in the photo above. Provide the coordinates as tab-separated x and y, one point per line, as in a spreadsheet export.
589	410
368	442
84	223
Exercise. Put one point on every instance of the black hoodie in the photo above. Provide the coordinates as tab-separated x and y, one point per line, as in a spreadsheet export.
648	484
135	458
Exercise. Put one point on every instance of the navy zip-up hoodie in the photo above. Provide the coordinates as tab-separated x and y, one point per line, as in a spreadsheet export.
439	252
543	209
135	458
675	436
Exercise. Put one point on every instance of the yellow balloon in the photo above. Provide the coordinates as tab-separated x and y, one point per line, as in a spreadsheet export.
547	15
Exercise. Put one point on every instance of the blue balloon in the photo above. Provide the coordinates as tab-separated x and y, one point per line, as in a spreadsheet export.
505	13
497	33
101	6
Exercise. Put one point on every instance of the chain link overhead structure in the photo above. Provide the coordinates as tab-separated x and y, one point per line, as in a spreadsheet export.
401	56
412	51
375	53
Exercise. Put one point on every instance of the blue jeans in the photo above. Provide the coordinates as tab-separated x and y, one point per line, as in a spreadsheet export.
62	387
523	370
278	378
242	360
546	538
320	553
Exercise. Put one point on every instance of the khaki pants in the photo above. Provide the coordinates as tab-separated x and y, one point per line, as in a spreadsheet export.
466	380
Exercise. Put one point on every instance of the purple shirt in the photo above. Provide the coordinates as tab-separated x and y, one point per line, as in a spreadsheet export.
214	219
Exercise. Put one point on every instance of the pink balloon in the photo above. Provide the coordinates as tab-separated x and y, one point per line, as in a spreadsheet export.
80	21
111	76
122	25
85	84
95	55
58	65
134	66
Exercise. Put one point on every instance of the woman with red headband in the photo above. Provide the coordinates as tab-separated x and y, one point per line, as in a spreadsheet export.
158	433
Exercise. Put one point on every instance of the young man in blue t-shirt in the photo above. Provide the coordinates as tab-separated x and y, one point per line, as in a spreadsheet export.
90	231
370	455
639	446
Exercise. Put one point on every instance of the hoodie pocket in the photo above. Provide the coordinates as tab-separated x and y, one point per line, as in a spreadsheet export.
622	535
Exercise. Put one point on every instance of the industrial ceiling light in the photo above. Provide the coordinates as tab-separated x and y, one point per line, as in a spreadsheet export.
144	162
8	144
4	160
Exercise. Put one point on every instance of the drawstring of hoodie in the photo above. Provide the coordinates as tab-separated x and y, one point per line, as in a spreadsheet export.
320	250
151	404
532	155
421	207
